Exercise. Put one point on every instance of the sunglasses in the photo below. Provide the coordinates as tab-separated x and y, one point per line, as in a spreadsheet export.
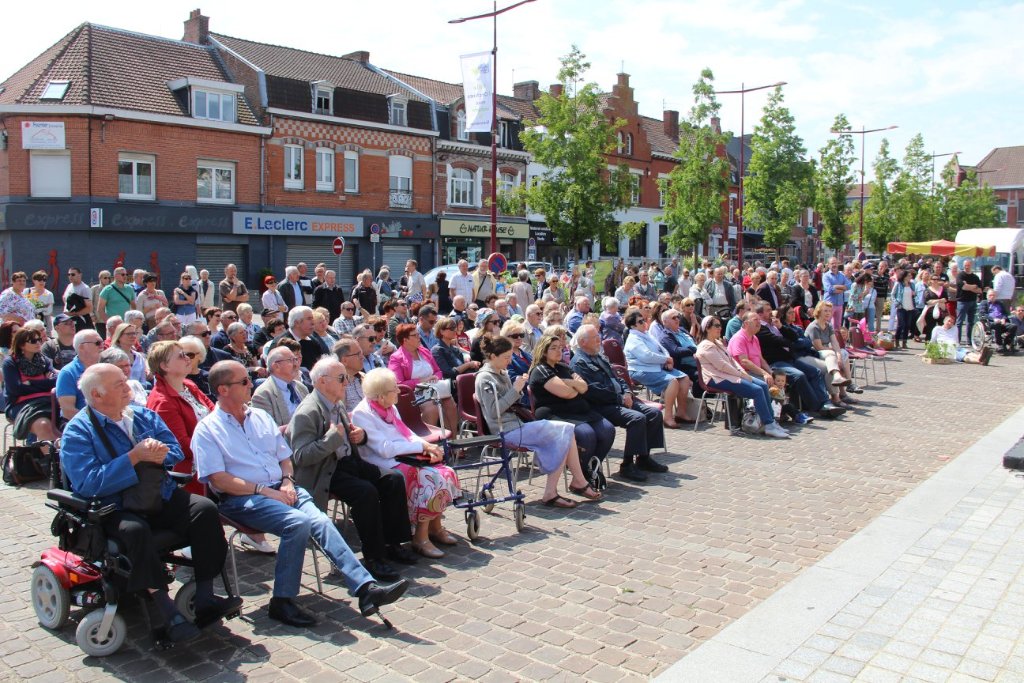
189	354
371	338
33	340
186	278
244	382
205	334
517	335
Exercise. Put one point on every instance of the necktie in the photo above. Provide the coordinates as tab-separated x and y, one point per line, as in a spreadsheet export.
293	395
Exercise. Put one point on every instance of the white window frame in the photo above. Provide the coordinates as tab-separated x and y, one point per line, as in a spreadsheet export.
398	111
634	198
619	143
507	181
661	191
135	160
324	169
294	177
222	96
462	191
629	144
352	174
396	180
504	135
216	168
43	174
460	126
326	92
55	90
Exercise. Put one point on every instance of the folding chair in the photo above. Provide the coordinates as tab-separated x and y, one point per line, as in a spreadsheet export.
465	388
410	414
718	397
613	349
877	356
858	360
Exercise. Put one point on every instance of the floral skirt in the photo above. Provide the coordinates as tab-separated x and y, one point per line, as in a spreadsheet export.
429	490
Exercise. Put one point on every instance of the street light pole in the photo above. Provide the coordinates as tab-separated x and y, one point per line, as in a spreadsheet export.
862	133
742	92
934	155
494	111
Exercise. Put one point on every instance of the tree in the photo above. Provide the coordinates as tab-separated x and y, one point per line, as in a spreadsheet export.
576	194
832	180
879	214
696	187
911	194
964	205
779	184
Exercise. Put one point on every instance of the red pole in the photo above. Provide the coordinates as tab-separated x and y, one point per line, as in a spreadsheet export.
739	223
494	137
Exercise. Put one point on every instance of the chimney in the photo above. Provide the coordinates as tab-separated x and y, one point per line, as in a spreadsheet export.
623	80
716	125
555	89
197	28
670	120
359	56
527	90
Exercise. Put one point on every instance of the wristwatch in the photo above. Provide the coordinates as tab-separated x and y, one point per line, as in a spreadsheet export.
289	478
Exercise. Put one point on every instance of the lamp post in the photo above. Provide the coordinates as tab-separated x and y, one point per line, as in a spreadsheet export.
742	92
494	111
862	133
934	156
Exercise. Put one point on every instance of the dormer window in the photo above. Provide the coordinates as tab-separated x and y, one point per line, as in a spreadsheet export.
216	106
504	134
398	108
460	126
55	90
323	98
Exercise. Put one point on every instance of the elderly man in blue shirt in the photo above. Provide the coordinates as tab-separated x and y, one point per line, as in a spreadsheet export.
835	284
242	454
102	448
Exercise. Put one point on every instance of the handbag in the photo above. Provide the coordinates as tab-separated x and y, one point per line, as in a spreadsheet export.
23	464
751	421
522	412
146	496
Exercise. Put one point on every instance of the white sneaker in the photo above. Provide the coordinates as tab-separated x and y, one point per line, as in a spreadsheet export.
776	431
261	547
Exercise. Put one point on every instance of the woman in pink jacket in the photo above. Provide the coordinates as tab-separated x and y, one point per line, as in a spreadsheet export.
412	365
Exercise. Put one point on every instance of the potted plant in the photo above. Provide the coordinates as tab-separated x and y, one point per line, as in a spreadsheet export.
936	354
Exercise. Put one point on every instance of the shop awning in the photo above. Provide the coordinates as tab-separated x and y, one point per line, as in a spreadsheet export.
940	248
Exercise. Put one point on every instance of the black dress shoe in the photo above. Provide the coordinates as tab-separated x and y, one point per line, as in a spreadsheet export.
401	554
373	596
179	629
287	612
649	464
631	472
217	610
381	570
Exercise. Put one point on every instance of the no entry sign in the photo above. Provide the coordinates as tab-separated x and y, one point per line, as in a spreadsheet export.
339	246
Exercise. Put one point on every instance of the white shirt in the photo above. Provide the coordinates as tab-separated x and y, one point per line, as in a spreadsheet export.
1003	284
462	285
251	451
81	289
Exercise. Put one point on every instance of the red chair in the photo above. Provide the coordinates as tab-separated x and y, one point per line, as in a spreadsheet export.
410	414
623	374
613	349
465	389
858	343
720	397
858	359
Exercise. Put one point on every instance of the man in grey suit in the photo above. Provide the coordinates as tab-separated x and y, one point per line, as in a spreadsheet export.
323	443
281	393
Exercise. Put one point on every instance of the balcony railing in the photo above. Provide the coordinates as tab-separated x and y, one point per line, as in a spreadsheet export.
400	199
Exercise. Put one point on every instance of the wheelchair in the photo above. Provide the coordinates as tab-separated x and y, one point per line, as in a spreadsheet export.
87	570
983	334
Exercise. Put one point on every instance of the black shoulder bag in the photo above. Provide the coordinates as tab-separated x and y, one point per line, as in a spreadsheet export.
145	497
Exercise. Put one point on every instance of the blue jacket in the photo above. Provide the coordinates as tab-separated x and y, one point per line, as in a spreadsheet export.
680	346
91	469
644	353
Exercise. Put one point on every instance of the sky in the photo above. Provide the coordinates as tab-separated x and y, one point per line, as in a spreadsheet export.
938	68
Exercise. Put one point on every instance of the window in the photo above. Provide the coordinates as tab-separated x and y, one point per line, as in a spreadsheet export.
1001	206
323	102
635	197
619	143
55	90
638	243
506	182
629	145
662	181
460	125
325	169
293	166
50	174
398	110
215	182
135	176
213	105
351	171
462	188
400	181
504	134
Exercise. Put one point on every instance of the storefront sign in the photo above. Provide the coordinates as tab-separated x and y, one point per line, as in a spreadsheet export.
42	135
454	227
295	224
542	235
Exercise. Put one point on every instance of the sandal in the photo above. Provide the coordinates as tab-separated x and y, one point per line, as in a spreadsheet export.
582	491
559	502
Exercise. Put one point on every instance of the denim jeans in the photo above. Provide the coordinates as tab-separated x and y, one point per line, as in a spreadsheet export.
295	526
966	311
806	380
755	389
594	439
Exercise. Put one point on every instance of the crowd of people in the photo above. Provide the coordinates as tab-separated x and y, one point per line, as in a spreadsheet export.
282	400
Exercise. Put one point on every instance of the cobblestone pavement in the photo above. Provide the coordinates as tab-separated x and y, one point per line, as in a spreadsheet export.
615	591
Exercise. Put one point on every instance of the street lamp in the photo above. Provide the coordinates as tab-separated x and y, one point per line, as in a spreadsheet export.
862	133
933	157
742	92
494	112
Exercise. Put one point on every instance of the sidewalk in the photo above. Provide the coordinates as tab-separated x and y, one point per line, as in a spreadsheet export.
932	590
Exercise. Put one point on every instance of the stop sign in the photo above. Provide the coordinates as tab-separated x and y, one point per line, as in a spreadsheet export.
339	245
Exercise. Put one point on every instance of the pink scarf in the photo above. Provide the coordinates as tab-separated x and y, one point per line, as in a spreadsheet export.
390	415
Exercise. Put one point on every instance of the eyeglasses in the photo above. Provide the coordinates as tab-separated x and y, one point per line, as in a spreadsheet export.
190	354
517	335
371	338
688	305
715	325
98	342
205	334
342	379
186	278
73	274
33	340
129	334
293	361
244	382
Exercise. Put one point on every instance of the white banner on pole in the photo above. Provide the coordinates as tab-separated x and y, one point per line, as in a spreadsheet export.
477	86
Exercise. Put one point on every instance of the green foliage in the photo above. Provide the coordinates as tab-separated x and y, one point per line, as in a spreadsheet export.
911	194
966	205
879	215
695	188
780	181
832	180
577	195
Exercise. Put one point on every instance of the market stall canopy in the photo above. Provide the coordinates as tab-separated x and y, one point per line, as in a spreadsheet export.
940	248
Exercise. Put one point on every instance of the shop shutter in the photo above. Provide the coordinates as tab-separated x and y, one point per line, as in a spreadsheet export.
394	257
312	252
213	257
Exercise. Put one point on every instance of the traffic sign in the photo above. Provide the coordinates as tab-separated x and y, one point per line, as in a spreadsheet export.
497	263
339	246
374	237
374	229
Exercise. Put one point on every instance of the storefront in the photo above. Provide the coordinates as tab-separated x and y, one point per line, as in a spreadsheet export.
470	238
